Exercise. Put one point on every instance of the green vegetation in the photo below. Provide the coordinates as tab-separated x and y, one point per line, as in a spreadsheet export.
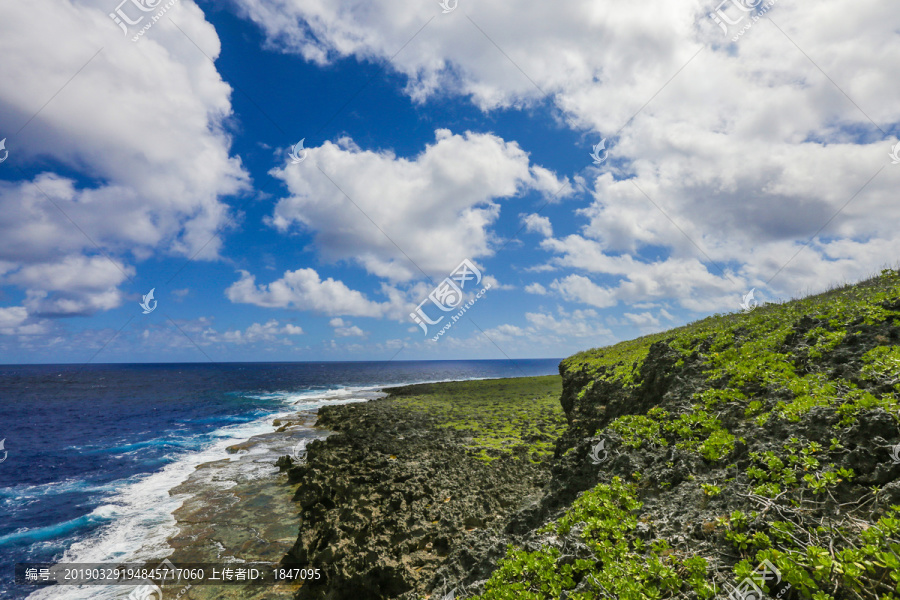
696	430
503	417
710	489
740	377
865	564
744	353
623	565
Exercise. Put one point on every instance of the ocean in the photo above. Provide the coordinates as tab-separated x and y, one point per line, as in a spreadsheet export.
91	452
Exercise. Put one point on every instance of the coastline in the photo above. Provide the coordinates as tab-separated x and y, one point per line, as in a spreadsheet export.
420	481
219	520
238	508
392	488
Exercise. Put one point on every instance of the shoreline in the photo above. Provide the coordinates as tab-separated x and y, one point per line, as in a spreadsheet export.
219	519
217	505
424	478
458	488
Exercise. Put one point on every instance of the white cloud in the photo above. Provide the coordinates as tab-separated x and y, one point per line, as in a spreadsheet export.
14	320
352	331
686	281
555	46
344	329
494	283
505	333
535	223
555	329
570	324
304	290
75	285
12	317
536	288
269	332
749	148
398	214
643	319
577	288
141	123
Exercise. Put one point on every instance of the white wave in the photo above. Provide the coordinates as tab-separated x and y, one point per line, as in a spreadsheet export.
24	491
141	513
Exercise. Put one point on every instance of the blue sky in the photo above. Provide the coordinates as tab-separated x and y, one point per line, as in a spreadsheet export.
430	138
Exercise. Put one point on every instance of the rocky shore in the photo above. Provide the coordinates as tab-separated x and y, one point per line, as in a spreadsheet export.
238	510
424	478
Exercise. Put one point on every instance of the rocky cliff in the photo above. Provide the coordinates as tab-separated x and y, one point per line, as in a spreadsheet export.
757	452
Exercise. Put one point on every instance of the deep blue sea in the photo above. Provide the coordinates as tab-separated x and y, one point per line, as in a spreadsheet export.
91	451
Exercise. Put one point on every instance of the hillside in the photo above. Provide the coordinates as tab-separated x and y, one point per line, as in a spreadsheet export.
694	455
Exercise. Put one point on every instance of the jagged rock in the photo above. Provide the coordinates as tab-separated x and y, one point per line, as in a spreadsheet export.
284	463
381	526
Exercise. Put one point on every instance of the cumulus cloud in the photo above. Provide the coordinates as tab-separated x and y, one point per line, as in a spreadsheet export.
687	281
303	289
269	332
142	126
578	288
555	329
352	331
76	285
344	329
494	283
554	45
536	288
394	216
14	320
722	155
535	223
643	319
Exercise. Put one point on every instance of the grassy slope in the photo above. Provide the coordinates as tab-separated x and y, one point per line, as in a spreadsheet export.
776	452
504	416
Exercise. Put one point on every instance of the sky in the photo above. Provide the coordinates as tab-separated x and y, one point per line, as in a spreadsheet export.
476	180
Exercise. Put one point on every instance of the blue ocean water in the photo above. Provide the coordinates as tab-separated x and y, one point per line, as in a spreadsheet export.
91	451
